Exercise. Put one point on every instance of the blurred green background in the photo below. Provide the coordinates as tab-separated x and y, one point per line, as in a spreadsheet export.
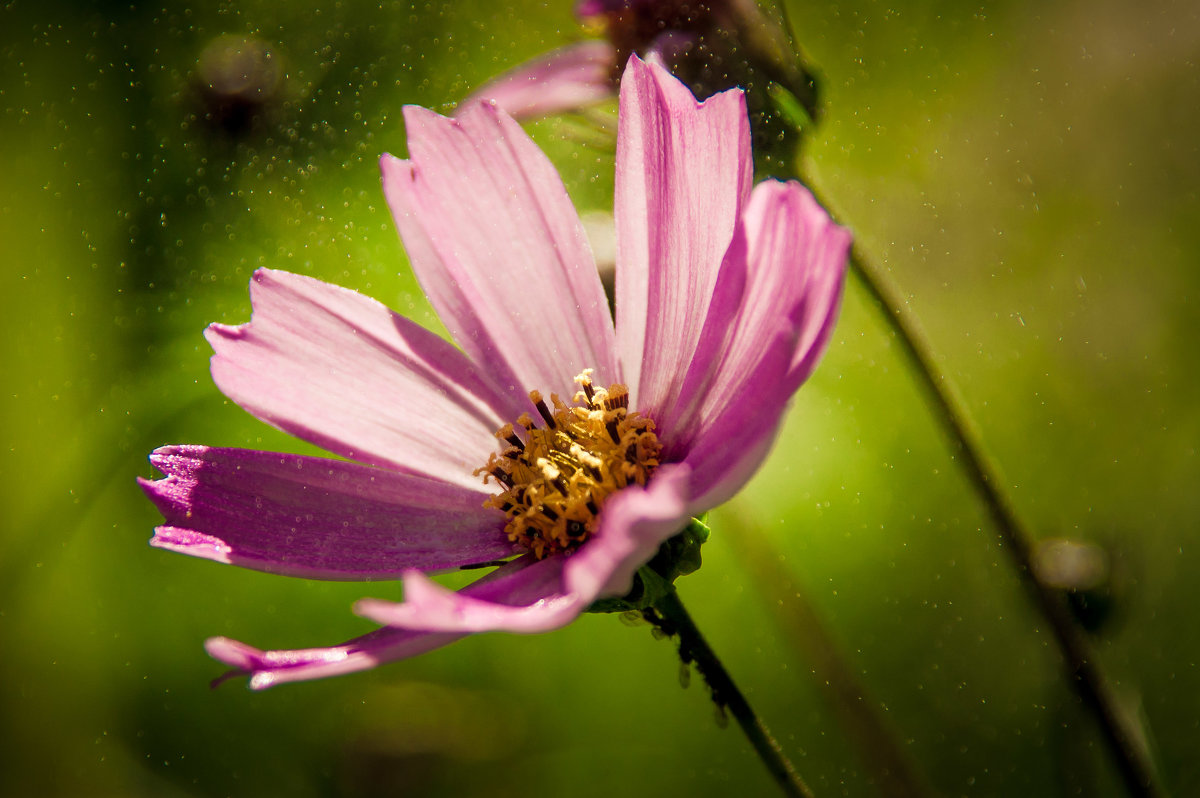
1027	170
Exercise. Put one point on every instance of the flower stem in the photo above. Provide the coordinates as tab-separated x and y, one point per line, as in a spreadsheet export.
883	758
669	615
1120	734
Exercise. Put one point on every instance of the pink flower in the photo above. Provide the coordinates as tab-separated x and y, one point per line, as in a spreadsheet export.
569	78
725	297
583	73
712	46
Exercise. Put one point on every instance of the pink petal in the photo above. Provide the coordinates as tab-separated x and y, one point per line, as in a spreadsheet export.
340	370
818	311
565	79
429	606
683	175
268	668
499	249
633	524
791	278
317	518
676	421
733	447
592	8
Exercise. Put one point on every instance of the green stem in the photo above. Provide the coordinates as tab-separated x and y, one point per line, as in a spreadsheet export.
670	615
1120	734
882	757
1087	677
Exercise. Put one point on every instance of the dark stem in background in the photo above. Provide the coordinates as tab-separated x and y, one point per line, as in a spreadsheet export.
1120	734
883	758
669	615
1122	737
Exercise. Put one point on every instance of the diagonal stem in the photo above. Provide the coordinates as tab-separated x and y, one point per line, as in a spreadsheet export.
669	615
887	766
1120	734
1122	737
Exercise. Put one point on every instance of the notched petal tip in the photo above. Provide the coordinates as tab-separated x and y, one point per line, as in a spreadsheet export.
399	177
317	518
393	166
217	333
234	653
683	177
243	660
166	458
158	459
268	668
418	118
192	543
275	667
654	68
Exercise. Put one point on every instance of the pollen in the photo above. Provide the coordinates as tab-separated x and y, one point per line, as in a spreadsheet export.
555	477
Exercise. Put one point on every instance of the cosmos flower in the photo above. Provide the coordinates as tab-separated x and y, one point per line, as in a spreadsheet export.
554	441
565	79
712	46
577	75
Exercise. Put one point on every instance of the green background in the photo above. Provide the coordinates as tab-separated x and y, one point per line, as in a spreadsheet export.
1027	171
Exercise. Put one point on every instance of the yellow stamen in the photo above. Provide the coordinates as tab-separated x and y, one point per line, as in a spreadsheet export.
555	479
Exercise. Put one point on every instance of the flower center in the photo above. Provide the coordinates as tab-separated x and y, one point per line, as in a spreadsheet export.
556	478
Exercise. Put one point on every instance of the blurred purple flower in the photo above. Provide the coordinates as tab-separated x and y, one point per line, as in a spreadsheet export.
577	75
711	46
566	79
725	298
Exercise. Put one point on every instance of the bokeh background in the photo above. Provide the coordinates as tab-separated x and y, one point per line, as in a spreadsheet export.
1027	171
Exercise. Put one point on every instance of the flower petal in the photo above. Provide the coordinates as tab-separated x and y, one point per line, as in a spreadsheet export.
795	263
340	370
791	279
735	444
633	524
497	245
585	9
683	174
429	606
317	518
565	79
818	310
268	668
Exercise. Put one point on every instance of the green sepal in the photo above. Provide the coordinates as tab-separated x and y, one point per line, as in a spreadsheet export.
790	108
679	555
